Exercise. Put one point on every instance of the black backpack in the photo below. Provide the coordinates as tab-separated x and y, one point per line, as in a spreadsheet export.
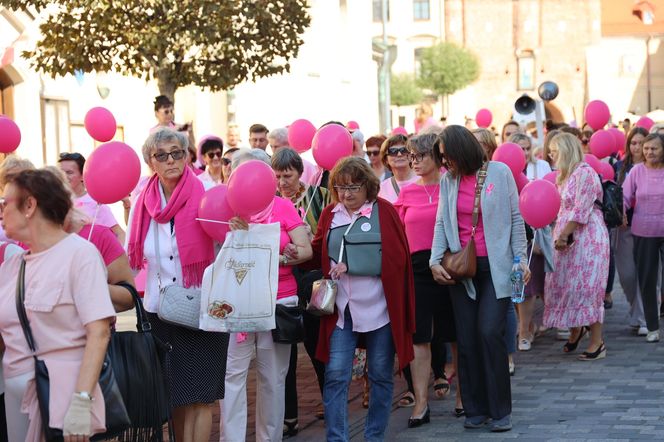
611	204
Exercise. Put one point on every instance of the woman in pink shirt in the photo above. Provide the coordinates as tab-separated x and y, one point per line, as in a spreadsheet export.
68	307
417	206
643	191
394	155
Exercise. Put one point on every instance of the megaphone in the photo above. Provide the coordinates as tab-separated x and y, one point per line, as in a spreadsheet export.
548	90
524	105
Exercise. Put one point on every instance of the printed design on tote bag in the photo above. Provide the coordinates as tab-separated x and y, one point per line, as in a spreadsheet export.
220	309
240	269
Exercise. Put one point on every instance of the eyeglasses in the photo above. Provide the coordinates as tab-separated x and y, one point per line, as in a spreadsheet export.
211	155
163	156
4	202
352	189
226	161
394	151
373	153
417	157
69	156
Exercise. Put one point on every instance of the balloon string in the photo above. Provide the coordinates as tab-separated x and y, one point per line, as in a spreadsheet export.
530	257
92	226
212	221
311	200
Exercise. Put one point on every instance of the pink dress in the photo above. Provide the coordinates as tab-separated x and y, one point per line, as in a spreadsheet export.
575	291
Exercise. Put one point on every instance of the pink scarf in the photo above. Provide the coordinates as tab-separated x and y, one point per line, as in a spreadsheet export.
195	247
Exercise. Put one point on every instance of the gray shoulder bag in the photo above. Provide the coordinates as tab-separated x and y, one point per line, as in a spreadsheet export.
178	305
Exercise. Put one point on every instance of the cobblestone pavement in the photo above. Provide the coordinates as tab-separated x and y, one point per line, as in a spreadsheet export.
555	396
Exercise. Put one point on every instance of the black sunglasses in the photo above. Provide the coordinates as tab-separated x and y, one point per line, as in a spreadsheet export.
394	151
211	155
163	156
226	161
373	153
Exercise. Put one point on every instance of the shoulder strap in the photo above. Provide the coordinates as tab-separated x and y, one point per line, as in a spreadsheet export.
395	185
20	307
481	177
3	249
155	233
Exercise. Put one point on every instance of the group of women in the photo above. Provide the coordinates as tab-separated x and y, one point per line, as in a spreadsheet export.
440	194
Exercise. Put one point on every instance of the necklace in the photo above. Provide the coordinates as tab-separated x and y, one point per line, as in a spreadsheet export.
424	186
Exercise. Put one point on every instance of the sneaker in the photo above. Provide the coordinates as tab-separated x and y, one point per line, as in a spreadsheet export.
476	422
524	344
562	334
503	424
642	331
652	336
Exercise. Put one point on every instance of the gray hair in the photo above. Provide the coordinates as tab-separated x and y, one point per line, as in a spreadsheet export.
287	158
163	135
422	142
656	127
280	135
244	155
515	138
358	136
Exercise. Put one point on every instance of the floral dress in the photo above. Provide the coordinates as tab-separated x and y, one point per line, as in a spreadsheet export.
574	293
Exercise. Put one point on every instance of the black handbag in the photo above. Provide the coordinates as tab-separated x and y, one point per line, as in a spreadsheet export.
139	359
289	325
116	413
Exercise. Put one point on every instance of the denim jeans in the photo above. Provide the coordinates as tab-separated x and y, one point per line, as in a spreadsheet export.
380	361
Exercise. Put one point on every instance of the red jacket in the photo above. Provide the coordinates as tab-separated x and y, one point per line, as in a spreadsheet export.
396	275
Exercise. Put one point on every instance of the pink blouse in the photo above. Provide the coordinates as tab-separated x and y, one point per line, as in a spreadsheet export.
387	188
643	190
465	204
417	206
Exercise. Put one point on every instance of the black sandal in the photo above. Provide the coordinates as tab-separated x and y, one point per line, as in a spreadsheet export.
441	389
458	412
571	346
290	428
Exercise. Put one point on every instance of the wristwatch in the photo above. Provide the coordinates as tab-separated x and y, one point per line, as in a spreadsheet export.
283	260
84	395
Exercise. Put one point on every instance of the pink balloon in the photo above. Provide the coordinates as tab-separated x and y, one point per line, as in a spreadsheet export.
539	203
300	134
645	123
251	188
111	172
330	144
214	205
597	114
551	177
602	144
10	135
521	181
100	124
618	138
352	125
594	162
608	174
483	118
512	155
400	130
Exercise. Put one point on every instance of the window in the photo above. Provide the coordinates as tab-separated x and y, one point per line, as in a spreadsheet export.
55	125
526	71
421	10
378	10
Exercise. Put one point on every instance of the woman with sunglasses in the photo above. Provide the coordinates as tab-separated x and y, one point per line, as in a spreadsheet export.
164	218
394	155
374	299
211	149
372	148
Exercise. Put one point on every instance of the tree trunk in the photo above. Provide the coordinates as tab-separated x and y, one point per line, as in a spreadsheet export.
166	85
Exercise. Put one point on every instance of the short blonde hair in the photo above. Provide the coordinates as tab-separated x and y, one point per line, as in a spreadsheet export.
12	165
569	154
487	140
515	138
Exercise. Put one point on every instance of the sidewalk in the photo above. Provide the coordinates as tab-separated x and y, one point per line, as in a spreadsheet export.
555	396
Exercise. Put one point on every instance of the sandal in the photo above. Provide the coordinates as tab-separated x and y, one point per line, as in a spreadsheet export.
458	412
290	428
441	387
407	400
597	354
571	346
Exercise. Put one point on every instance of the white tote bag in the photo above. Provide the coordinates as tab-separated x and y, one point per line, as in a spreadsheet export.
239	290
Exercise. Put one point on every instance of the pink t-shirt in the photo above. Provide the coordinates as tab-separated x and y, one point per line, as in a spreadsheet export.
88	206
643	190
105	241
417	206
285	214
387	189
465	203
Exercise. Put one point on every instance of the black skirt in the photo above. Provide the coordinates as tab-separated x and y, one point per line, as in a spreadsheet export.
196	367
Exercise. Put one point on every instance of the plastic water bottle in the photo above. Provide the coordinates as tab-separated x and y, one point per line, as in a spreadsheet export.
516	277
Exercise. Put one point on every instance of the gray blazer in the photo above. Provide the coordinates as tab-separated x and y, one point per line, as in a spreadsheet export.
504	232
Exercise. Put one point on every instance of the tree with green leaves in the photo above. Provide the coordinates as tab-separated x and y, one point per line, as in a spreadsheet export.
404	90
446	68
207	43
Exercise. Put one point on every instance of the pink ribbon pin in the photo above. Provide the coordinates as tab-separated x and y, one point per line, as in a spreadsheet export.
489	188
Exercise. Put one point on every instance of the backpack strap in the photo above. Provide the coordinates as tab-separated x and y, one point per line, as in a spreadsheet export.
395	185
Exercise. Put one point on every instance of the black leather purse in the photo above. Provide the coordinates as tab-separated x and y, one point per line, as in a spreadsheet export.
289	325
116	413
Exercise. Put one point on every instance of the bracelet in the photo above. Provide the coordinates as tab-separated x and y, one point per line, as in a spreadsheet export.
84	395
283	260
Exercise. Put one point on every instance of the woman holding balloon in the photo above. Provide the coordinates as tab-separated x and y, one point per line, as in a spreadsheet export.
272	358
164	218
575	291
480	303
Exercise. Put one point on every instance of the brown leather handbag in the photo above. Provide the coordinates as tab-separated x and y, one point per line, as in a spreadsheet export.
463	264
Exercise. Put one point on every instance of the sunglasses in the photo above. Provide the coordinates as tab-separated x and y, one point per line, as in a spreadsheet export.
211	155
373	153
163	156
226	161
394	151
